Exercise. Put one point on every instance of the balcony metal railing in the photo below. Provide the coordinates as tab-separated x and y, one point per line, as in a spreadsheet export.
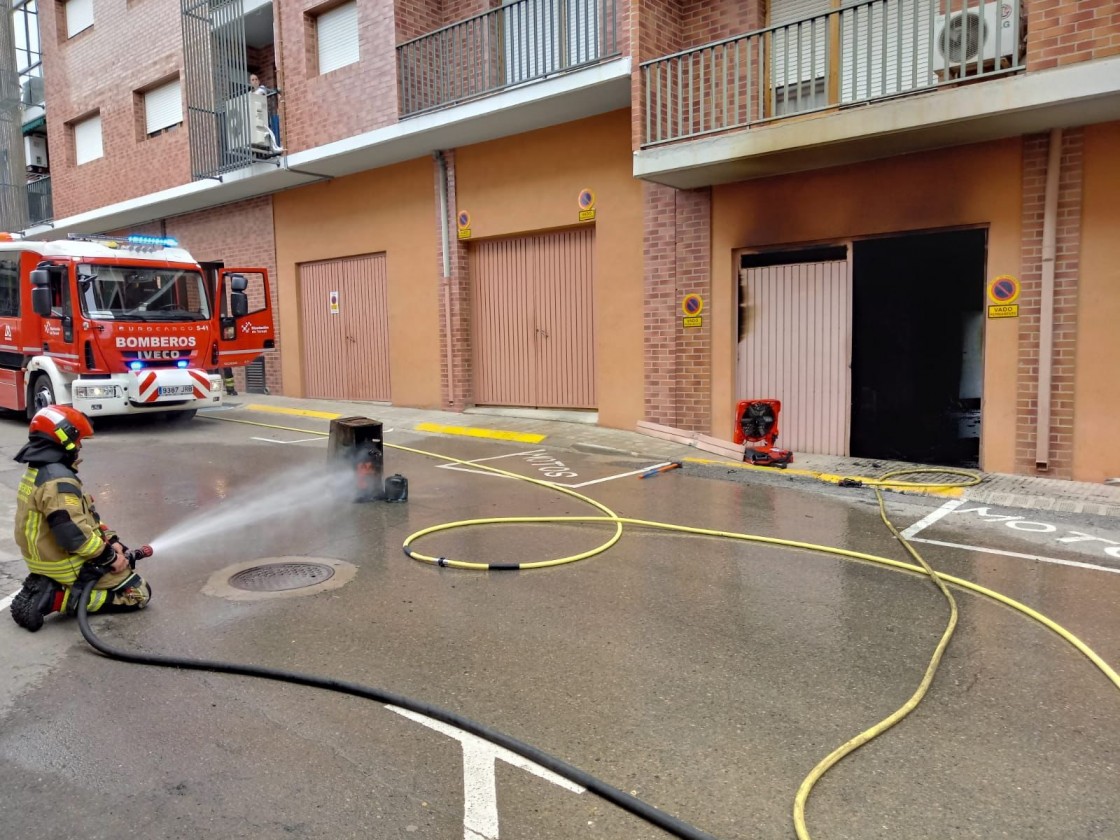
215	81
516	43
856	54
40	206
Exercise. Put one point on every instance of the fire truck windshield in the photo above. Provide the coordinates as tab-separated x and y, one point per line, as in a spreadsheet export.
135	293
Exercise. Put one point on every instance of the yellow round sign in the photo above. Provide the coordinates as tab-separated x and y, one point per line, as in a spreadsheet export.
1004	289
692	305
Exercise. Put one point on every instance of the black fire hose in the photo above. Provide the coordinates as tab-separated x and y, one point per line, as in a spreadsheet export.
573	774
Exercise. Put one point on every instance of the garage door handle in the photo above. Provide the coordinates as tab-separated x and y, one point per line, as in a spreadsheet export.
542	332
351	338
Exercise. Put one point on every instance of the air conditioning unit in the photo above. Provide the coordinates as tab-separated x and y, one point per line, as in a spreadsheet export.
971	35
247	122
35	153
32	92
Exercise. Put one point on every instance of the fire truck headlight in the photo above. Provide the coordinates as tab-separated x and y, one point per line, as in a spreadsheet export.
97	392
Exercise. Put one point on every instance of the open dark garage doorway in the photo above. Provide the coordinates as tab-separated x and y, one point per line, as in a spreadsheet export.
918	324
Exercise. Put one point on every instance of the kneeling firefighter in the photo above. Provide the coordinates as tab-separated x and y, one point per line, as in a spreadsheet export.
59	532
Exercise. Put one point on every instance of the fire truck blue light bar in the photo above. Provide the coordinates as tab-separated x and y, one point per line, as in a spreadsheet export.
143	239
139	239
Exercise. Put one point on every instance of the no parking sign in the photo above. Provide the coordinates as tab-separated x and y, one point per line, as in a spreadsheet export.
1003	291
692	306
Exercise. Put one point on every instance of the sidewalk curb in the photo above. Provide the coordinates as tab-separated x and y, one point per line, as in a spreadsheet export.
1005	490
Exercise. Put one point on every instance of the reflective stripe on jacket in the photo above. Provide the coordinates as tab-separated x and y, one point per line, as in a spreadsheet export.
42	491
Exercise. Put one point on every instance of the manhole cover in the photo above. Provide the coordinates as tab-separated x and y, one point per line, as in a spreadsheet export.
278	577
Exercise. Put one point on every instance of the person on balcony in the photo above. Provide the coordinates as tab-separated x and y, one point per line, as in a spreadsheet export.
255	86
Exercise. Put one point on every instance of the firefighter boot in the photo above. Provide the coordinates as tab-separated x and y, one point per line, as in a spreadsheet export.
228	382
40	596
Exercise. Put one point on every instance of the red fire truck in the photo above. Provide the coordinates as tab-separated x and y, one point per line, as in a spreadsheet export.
123	325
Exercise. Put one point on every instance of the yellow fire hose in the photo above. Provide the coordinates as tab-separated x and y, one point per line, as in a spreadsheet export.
887	480
941	580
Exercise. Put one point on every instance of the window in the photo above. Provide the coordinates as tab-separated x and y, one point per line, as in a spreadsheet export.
163	107
131	293
87	140
60	291
25	23
9	288
337	32
79	16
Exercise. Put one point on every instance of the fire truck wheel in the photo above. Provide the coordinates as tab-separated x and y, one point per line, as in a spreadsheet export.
42	394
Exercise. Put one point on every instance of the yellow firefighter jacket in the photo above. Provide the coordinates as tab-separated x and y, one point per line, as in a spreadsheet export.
50	545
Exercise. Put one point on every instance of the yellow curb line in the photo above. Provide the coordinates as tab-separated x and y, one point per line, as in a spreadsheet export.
829	478
300	412
493	434
520	437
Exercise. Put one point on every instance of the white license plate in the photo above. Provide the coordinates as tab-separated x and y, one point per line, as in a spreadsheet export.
176	390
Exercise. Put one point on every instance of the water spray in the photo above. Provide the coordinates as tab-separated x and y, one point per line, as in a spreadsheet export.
354	471
306	490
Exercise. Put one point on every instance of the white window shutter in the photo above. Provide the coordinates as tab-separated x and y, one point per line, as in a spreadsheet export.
337	32
530	28
79	16
87	140
163	107
794	49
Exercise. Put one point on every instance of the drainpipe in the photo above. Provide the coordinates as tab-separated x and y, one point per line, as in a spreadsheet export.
1046	313
445	246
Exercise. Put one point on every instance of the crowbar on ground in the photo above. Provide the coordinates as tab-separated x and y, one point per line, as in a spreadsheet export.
673	465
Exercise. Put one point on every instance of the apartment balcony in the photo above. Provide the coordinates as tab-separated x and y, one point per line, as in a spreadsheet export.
529	65
40	208
872	79
516	44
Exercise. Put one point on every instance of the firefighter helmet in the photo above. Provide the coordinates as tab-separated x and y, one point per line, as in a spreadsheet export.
63	425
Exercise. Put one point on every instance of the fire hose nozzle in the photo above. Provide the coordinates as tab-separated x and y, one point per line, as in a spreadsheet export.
134	554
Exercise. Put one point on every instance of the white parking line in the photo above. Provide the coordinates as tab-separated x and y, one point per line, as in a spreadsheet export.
480	784
1038	557
922	524
617	475
559	468
910	534
301	440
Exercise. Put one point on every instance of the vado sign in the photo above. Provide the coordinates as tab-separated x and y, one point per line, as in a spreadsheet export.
1003	291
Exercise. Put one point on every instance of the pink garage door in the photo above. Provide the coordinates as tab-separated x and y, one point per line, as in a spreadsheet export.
533	320
797	348
345	328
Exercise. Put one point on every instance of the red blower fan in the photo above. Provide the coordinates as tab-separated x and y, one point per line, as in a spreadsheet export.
756	424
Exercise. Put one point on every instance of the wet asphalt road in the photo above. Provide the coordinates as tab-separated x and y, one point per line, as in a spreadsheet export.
704	676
